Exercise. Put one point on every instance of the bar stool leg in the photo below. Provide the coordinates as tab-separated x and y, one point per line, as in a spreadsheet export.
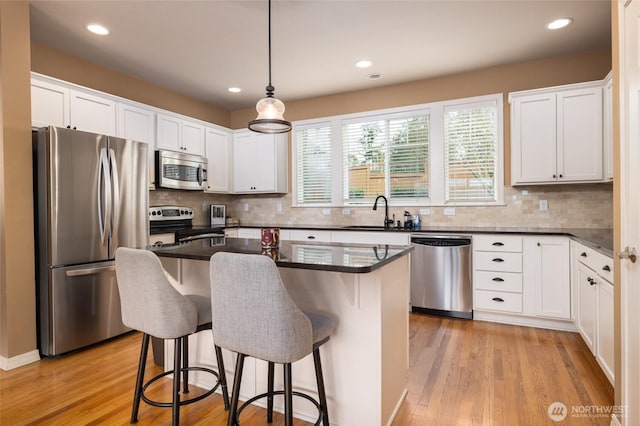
288	396
322	396
176	382
185	364
270	391
237	378
142	363
222	376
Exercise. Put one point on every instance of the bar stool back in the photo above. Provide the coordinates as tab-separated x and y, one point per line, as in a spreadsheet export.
150	304
255	316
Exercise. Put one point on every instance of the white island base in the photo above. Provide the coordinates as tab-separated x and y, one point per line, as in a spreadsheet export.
366	361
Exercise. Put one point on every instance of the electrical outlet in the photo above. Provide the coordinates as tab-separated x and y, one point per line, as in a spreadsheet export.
544	205
246	207
525	192
425	212
346	212
449	211
279	207
326	212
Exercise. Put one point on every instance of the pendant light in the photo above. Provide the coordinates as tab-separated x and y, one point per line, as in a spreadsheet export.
270	109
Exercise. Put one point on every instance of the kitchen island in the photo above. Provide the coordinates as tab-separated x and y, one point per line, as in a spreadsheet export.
366	289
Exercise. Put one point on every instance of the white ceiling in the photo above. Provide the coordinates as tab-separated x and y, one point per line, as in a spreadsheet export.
200	48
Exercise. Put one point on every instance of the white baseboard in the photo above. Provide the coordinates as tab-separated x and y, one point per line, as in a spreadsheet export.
552	324
7	364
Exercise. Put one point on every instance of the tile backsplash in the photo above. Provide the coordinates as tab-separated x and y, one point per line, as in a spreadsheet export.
568	206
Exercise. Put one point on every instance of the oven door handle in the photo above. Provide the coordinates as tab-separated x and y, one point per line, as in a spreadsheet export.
200	237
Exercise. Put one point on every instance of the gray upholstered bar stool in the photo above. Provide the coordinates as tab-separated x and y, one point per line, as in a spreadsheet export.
255	316
150	304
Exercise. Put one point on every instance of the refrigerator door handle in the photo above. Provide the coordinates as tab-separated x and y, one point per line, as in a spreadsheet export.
90	271
104	212
115	181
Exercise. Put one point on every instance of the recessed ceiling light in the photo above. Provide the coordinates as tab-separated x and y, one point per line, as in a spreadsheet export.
374	76
97	29
559	23
234	89
364	63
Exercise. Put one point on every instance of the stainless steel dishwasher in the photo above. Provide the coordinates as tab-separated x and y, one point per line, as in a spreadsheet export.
441	275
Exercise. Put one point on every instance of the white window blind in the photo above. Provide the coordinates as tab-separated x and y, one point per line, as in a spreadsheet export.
386	156
471	146
313	164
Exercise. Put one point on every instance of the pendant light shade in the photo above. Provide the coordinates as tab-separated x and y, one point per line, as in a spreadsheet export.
270	109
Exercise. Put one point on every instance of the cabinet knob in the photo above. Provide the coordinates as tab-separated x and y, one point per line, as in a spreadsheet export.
538	244
606	268
554	176
498	299
591	281
583	254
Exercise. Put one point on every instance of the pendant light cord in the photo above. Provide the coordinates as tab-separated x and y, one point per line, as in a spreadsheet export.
270	88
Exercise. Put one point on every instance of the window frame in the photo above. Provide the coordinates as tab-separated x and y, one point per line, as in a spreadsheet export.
436	112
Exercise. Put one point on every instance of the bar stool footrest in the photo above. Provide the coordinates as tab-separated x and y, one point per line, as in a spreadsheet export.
281	392
183	402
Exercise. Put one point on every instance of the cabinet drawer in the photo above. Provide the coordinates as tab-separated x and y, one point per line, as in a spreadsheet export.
507	243
601	264
498	301
310	235
501	262
498	281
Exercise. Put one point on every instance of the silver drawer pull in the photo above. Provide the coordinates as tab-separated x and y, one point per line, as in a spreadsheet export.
498	259
497	279
497	244
628	253
498	299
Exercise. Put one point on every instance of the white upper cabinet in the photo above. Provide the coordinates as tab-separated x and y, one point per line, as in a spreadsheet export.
218	150
177	134
259	162
55	104
92	113
139	124
49	104
607	127
556	134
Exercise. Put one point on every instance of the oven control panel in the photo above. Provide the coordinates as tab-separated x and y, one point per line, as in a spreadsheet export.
170	213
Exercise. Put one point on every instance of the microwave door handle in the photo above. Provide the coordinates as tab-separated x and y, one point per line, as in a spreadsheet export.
115	210
200	173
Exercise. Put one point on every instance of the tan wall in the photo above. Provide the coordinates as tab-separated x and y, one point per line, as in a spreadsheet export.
501	79
17	277
55	63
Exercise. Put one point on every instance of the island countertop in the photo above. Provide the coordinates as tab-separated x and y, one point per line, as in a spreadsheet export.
350	258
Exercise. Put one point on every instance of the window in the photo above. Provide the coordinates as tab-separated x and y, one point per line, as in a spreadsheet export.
313	164
471	132
386	156
444	153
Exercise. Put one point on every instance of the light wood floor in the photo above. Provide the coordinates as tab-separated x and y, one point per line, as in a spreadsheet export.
462	373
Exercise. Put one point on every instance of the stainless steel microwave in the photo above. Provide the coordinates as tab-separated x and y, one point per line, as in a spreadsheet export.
176	170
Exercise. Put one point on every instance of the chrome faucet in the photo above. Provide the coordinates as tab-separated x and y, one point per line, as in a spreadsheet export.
387	222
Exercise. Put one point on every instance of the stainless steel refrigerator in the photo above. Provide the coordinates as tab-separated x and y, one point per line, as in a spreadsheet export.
91	197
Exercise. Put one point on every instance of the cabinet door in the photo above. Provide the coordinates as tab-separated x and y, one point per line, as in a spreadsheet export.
92	113
218	151
169	133
192	138
552	278
253	163
533	138
139	124
579	134
605	347
586	318
49	104
607	128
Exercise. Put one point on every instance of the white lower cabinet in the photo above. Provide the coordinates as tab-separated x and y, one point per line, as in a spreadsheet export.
522	279
594	308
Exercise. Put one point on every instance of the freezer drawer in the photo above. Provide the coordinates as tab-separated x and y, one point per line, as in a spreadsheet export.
84	308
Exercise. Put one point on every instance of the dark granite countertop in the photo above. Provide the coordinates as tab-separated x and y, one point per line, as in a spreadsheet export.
599	239
351	258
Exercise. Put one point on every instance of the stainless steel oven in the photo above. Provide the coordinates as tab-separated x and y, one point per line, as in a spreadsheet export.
176	170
